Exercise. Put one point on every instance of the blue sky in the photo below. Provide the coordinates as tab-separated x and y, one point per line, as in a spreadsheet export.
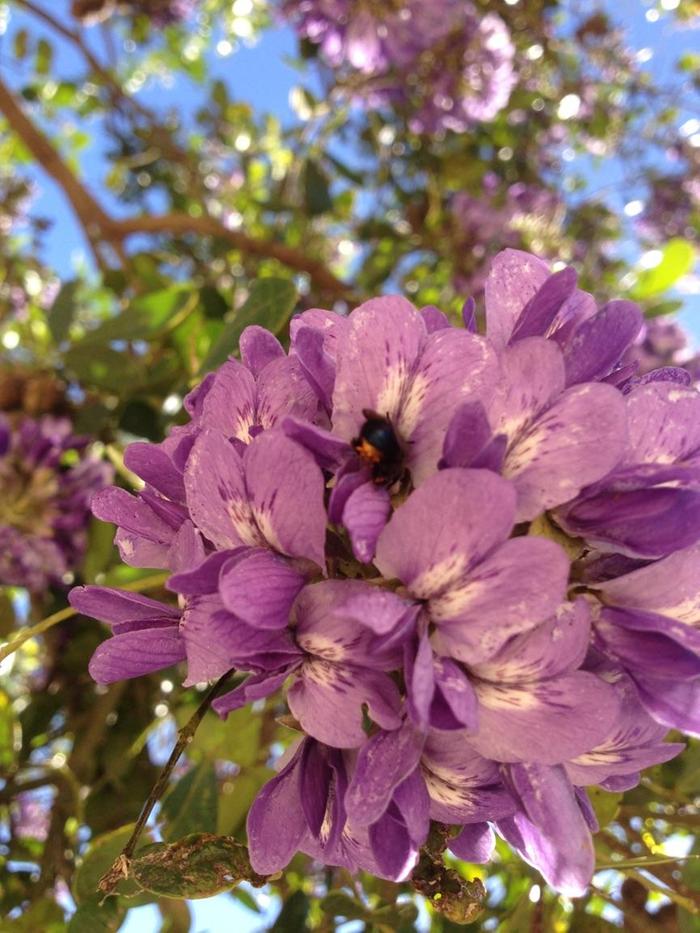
261	76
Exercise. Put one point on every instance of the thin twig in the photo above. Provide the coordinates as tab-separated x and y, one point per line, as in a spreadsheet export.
32	631
120	868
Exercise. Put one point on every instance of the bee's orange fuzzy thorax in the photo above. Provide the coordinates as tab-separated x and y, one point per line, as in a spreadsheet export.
368	451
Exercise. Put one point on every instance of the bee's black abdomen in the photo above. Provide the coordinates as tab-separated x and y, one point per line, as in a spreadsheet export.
378	445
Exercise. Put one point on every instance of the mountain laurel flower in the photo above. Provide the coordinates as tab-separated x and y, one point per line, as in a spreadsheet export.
48	477
468	562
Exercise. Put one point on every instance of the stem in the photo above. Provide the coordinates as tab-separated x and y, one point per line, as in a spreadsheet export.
120	868
146	583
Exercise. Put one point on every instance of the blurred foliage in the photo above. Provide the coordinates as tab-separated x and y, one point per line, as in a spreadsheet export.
201	215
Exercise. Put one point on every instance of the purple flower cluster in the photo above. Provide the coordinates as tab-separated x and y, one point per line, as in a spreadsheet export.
470	563
662	342
443	60
47	480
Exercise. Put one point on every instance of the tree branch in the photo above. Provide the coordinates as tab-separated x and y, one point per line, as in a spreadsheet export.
182	224
98	224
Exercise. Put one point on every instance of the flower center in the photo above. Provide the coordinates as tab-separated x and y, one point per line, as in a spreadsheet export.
26	496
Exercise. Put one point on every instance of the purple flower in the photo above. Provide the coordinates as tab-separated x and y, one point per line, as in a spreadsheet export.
339	665
649	623
47	480
443	63
649	505
358	527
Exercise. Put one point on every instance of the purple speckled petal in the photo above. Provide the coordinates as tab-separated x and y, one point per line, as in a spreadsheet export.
229	405
392	846
444	527
375	362
454	366
419	678
258	348
216	493
132	514
284	390
260	588
545	721
365	514
329	451
513	279
276	821
649	652
552	648
328	698
384	761
316	364
254	687
532	378
674	703
577	442
475	843
599	343
468	434
155	467
518	586
539	313
434	319
135	653
456	705
554	832
286	489
117	607
663	423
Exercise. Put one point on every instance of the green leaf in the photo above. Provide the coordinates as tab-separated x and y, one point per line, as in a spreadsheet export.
99	550
20	43
237	739
144	319
43	915
104	367
677	259
200	865
317	198
340	904
292	917
605	804
269	304
93	917
191	805
60	315
237	796
44	57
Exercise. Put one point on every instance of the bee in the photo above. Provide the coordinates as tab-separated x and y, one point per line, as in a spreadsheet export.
378	445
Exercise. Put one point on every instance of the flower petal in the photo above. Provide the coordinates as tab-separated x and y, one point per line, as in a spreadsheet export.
229	405
443	528
454	366
328	698
135	653
475	843
260	588
518	586
513	279
258	347
276	821
547	721
364	516
384	761
578	441
375	362
286	494
599	342
554	833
